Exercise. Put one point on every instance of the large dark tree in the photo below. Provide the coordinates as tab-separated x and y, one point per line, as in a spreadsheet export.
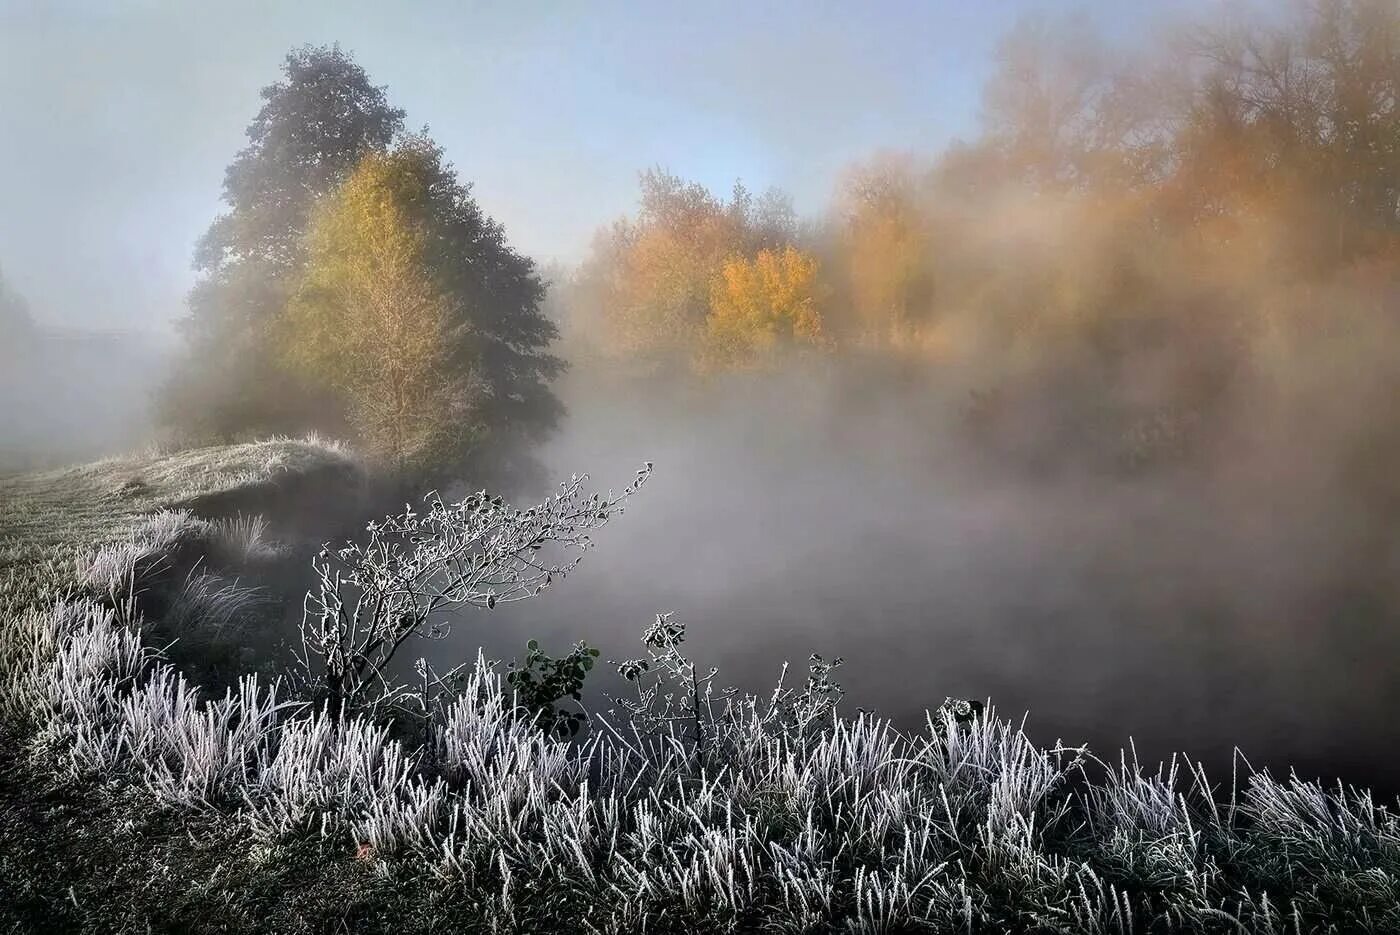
501	297
315	126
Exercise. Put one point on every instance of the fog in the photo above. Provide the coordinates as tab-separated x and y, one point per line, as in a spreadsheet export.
68	396
1193	612
1117	454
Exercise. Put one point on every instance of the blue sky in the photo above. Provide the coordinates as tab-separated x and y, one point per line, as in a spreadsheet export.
118	117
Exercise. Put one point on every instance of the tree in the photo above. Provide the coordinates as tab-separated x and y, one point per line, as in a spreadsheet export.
760	307
885	243
668	258
413	310
499	297
1303	115
1043	103
371	321
314	127
647	286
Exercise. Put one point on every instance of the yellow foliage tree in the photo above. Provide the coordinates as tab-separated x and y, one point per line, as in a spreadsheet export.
370	321
760	307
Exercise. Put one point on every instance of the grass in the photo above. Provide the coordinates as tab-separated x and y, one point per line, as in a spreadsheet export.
92	856
101	857
854	826
52	516
133	800
244	540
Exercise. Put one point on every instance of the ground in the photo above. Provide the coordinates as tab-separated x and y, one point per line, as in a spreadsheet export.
84	857
49	519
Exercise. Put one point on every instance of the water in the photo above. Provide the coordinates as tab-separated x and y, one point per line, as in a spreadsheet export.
1195	612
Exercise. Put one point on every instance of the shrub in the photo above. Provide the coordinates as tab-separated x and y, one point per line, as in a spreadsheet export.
372	598
540	682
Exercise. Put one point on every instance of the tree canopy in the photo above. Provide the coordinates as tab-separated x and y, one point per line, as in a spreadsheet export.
650	288
761	306
318	124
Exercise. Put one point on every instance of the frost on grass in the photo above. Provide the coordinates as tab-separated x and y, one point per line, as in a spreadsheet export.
243	540
848	823
115	569
707	809
691	805
208	603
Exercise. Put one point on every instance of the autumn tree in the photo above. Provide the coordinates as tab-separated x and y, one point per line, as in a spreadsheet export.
1295	129
371	321
646	287
1105	256
662	264
500	300
1043	101
885	246
317	125
760	307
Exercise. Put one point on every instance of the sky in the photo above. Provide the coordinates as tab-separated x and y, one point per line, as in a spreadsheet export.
117	117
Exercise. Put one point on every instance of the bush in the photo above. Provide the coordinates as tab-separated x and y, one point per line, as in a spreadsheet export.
372	598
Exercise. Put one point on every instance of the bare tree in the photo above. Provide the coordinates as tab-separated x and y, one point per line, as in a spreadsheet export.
417	567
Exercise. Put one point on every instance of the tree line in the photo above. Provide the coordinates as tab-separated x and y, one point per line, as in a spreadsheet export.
1132	236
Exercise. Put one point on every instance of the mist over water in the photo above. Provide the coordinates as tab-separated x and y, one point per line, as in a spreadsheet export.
1195	610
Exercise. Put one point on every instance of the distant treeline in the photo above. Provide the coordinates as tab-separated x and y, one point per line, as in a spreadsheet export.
1138	240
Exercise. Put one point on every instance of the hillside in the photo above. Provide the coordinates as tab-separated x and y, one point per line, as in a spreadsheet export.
49	519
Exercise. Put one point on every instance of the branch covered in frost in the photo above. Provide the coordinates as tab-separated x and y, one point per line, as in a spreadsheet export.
416	567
